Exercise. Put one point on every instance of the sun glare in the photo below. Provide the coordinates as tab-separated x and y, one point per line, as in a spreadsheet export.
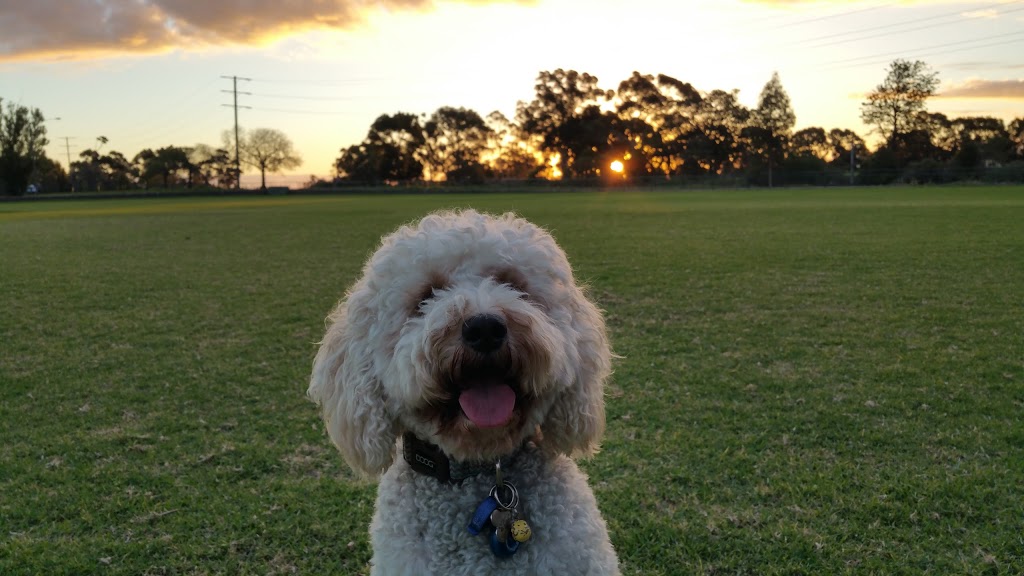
616	166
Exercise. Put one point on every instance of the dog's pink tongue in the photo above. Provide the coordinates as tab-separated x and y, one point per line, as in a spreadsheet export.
488	405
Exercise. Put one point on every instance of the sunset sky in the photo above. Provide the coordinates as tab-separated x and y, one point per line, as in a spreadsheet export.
148	73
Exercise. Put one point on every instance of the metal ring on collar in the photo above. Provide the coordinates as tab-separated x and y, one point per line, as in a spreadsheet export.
513	496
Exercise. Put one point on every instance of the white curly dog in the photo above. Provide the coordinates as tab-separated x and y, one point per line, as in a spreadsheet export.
467	347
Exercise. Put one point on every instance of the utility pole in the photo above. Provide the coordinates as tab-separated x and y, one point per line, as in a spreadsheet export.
234	92
67	148
853	161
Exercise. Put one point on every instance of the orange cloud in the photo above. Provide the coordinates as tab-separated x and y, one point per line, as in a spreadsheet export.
75	29
977	88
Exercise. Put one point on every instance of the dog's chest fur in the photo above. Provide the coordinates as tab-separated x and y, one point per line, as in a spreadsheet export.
419	525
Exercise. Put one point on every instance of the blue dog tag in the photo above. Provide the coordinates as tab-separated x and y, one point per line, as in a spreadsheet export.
503	549
482	516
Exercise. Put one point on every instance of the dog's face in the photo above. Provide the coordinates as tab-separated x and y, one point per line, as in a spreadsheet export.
469	331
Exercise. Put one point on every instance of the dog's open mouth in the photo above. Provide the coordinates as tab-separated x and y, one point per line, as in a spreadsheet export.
488	403
487	391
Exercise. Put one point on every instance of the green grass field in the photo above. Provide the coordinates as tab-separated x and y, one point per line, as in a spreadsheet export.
812	381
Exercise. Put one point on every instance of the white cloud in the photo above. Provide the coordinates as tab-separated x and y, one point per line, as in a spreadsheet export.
987	14
980	88
85	28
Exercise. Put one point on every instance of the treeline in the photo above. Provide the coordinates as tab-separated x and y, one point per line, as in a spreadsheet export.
25	167
649	129
168	167
656	128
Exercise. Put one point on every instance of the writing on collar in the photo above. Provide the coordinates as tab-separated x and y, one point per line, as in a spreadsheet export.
429	460
425	458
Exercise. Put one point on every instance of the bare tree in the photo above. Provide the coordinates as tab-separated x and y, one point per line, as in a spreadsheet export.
270	150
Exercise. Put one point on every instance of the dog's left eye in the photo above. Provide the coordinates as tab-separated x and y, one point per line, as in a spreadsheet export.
427	294
424	297
513	281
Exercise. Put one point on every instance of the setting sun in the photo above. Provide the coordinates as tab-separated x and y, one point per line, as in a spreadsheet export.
616	166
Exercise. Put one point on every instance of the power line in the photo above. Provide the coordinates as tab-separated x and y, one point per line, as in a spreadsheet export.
835	38
761	22
903	31
178	125
162	119
341	83
315	98
869	29
837	63
938	53
837	15
310	112
902	27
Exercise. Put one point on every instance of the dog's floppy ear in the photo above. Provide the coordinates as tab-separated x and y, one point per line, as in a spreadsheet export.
575	424
353	401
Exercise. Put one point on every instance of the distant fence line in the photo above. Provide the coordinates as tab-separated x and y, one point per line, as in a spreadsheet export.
922	173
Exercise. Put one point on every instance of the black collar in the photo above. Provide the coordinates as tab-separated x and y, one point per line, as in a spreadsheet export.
428	459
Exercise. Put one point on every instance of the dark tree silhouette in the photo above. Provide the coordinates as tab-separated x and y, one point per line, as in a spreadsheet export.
656	125
110	171
117	171
715	145
511	154
212	166
22	138
656	114
454	142
893	107
51	175
676	123
639	98
842	142
1016	132
593	139
940	133
773	122
167	162
389	153
811	142
554	114
989	135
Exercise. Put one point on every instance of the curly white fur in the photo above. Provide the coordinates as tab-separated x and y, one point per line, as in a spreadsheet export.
391	362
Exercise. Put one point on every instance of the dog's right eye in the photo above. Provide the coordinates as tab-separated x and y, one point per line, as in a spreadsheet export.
425	295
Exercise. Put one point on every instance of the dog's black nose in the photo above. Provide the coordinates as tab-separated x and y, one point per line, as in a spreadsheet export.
484	333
